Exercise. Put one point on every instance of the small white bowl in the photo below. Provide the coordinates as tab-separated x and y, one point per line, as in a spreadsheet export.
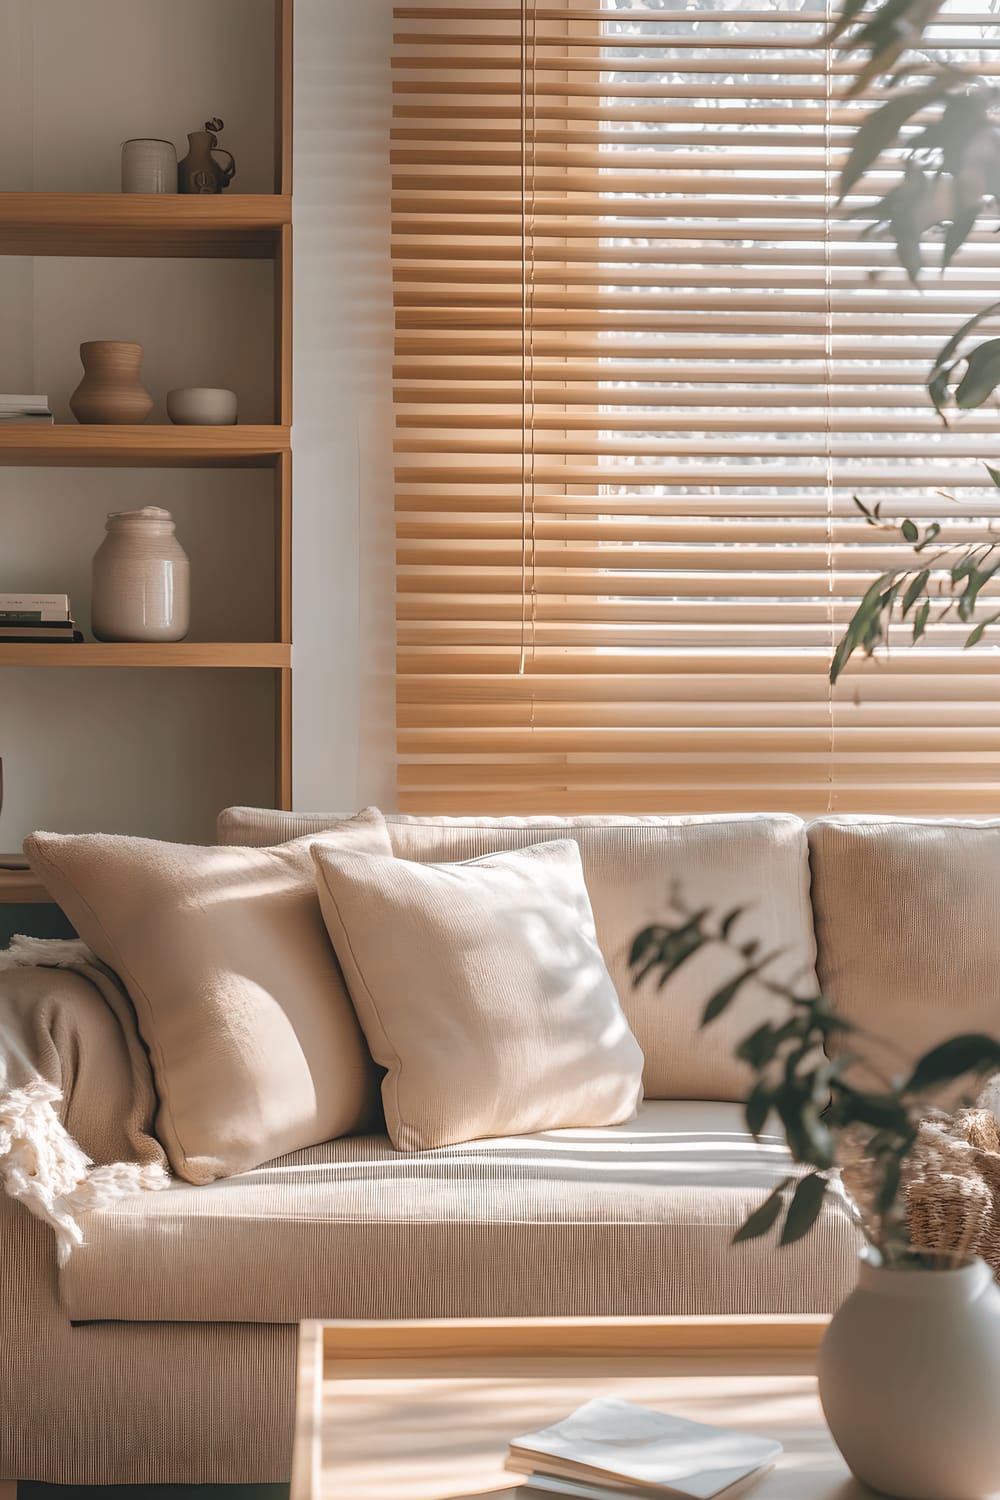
201	406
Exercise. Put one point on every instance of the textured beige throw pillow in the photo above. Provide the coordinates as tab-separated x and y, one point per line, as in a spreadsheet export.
255	1047
482	991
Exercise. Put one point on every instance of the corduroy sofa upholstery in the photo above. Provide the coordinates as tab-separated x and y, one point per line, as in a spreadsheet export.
164	1350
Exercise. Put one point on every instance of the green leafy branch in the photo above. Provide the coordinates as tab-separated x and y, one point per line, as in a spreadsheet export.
952	165
884	31
981	368
947	581
817	1096
946	131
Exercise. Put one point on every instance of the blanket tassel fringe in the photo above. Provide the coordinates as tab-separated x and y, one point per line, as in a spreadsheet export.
43	1167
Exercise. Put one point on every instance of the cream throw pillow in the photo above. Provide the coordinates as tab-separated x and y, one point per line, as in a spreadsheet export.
255	1047
481	989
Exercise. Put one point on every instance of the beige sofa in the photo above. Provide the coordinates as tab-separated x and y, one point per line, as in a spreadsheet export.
163	1350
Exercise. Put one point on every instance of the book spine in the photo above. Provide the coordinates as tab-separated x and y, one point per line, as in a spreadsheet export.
35	617
24	403
49	603
43	628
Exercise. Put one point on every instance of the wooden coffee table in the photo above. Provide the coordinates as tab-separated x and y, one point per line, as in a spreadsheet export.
424	1410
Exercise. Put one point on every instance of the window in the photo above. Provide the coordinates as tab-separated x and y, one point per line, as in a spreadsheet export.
644	363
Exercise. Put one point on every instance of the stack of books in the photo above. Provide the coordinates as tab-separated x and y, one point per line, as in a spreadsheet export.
614	1450
42	618
26	411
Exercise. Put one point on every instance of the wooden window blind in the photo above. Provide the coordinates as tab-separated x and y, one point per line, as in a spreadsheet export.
643	363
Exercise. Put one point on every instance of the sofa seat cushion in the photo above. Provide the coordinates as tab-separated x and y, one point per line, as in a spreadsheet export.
632	1219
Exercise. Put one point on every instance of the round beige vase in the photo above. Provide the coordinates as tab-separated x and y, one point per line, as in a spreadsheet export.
141	579
111	390
909	1378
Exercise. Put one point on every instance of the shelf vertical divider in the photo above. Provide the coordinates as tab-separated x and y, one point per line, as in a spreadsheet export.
283	625
283	49
283	328
283	74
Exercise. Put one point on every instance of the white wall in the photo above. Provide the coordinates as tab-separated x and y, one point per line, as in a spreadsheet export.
344	736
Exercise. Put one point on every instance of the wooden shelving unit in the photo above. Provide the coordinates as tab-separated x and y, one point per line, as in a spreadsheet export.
232	226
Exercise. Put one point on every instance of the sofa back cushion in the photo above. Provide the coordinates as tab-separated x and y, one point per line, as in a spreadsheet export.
907	915
631	866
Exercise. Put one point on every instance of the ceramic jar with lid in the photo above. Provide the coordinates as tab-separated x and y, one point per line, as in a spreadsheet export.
141	579
149	166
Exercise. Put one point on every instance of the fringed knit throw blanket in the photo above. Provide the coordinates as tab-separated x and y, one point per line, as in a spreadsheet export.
76	1095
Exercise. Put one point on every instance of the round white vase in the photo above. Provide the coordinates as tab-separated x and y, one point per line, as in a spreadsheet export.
909	1378
141	579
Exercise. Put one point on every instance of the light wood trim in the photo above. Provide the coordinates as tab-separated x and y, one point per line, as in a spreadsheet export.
131	654
283	741
75	446
558	1337
283	329
284	39
307	1447
21	888
283	548
236	225
8	1489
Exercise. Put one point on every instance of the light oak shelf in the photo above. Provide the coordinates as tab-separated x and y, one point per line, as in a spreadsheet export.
235	226
72	446
276	655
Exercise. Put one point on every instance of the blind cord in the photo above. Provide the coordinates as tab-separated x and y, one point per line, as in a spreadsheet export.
829	190
528	147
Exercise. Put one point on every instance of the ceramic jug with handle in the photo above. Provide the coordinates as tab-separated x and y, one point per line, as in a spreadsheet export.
199	172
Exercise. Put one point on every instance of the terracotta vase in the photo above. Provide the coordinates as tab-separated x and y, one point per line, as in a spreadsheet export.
111	390
141	579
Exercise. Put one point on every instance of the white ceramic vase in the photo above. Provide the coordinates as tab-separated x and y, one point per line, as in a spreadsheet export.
141	579
909	1378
